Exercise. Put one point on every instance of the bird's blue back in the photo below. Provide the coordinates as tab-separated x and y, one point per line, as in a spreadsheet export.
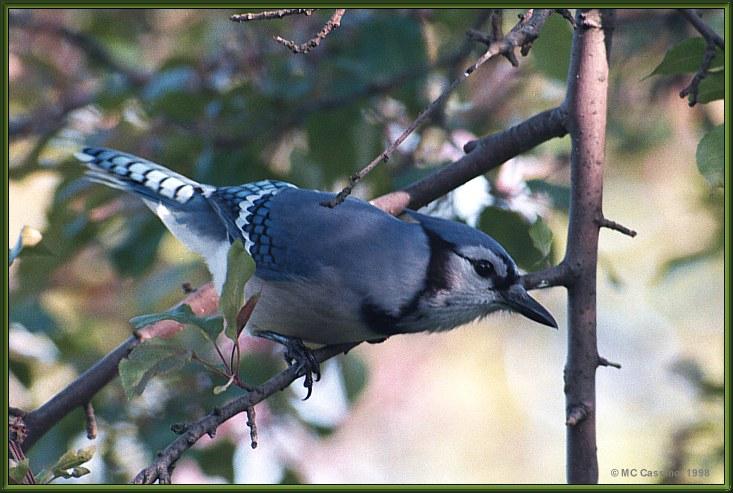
296	236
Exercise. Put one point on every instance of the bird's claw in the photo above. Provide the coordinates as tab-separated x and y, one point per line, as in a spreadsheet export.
299	356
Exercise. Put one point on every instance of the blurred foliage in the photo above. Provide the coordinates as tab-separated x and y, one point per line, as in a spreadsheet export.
711	156
528	243
697	450
224	104
551	52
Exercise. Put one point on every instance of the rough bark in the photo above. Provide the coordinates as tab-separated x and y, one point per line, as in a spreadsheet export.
586	104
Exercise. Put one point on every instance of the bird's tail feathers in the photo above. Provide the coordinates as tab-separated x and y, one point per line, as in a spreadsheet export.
134	174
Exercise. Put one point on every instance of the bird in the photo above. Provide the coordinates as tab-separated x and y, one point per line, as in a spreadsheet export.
328	275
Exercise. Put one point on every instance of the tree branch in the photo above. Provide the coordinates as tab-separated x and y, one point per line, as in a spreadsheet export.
559	275
333	22
269	14
161	468
522	35
80	391
483	155
586	101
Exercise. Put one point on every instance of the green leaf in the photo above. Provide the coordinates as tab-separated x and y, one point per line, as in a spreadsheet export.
240	268
711	88
68	465
73	458
541	236
18	470
710	156
147	360
551	51
211	326
685	58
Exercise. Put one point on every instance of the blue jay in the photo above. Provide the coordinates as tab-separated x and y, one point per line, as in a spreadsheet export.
325	275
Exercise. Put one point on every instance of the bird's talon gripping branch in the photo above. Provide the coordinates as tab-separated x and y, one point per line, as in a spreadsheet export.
299	356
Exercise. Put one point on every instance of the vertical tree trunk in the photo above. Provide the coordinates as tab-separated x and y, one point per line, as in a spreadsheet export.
586	104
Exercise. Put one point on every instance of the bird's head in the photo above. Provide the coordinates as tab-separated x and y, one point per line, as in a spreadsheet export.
471	270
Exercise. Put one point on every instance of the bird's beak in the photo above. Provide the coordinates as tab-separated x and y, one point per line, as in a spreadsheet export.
518	300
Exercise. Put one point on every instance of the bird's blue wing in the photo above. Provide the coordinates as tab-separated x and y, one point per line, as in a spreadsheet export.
245	210
354	246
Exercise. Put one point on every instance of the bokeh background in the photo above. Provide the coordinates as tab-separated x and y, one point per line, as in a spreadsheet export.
223	103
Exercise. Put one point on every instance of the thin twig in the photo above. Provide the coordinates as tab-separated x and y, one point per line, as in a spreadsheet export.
251	423
692	89
607	223
701	27
269	14
712	43
496	35
213	369
526	31
604	362
333	22
91	421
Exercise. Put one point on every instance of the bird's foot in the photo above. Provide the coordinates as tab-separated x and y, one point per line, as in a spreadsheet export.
297	355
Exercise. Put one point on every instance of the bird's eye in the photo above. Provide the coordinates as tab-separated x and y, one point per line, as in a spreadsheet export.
483	268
